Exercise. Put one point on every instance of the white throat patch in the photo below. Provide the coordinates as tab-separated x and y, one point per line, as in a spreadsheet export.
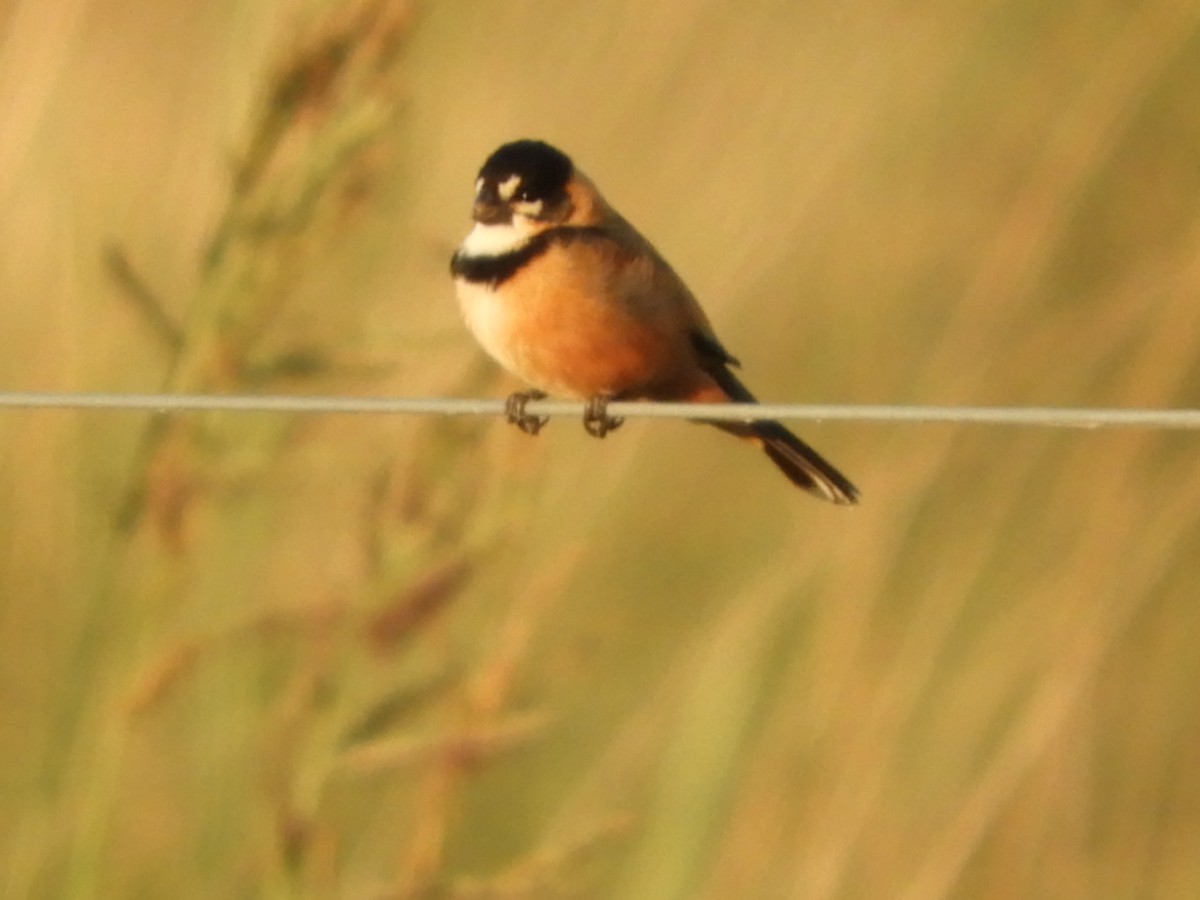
494	240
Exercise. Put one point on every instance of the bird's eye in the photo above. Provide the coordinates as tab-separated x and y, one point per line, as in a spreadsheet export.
526	207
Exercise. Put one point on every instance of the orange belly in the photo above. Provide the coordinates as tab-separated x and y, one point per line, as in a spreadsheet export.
563	336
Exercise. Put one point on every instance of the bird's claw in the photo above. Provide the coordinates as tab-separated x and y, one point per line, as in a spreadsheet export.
596	420
514	411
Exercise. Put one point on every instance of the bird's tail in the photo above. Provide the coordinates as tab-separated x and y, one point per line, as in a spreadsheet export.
803	465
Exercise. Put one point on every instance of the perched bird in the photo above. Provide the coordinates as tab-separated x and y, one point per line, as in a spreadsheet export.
569	297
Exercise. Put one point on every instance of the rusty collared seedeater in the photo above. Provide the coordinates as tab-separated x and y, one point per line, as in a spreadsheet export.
569	297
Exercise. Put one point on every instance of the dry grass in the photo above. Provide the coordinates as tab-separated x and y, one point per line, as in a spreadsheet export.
369	658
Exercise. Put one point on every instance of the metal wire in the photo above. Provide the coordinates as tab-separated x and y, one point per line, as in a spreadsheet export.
1033	416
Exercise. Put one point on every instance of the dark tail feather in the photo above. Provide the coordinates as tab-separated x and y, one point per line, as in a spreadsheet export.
803	465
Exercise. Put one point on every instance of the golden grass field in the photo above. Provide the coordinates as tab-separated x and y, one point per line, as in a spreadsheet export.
400	657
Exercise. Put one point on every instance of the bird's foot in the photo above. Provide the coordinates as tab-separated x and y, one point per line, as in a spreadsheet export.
514	411
596	420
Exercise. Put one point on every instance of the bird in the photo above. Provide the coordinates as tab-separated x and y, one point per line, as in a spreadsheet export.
570	298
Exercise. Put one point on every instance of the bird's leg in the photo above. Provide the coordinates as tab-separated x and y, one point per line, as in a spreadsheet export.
596	420
514	411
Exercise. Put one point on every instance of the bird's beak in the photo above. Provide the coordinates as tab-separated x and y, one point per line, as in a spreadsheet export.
489	209
488	212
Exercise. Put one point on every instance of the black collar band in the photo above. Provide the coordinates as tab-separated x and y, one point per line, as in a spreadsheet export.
495	270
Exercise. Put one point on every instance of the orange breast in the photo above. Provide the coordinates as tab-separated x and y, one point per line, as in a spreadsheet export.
578	329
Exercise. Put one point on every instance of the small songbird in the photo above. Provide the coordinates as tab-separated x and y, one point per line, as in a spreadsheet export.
569	297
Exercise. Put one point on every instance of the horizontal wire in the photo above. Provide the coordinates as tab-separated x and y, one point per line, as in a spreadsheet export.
1046	417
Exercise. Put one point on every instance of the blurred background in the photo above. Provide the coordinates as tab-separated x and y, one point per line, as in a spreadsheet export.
391	657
